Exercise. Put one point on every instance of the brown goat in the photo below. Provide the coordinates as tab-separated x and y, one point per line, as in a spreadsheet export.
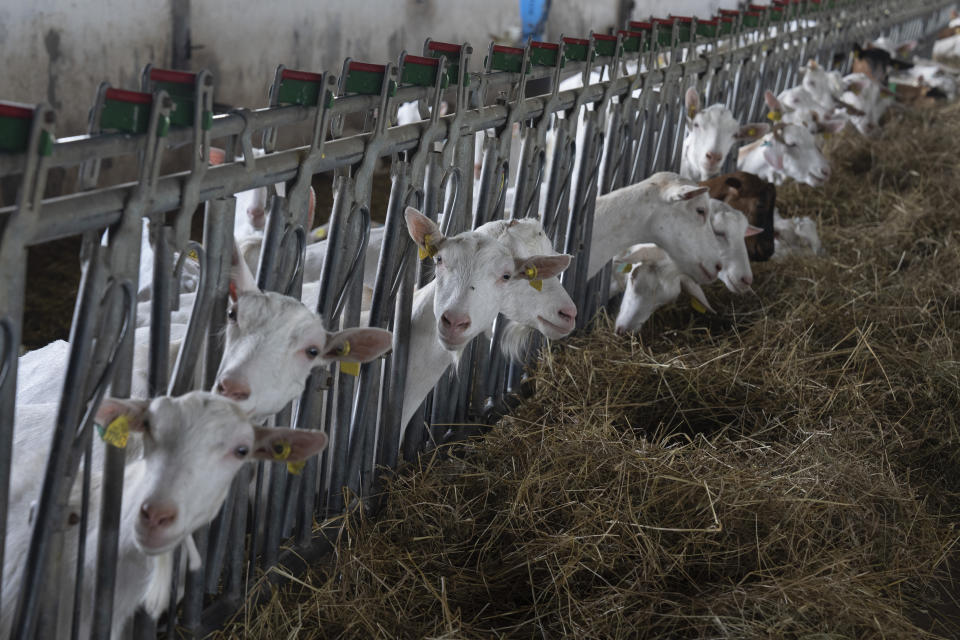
755	198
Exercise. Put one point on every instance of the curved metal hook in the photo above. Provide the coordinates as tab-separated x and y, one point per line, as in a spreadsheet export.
550	226
8	352
502	193
541	162
100	388
194	247
453	174
357	262
300	234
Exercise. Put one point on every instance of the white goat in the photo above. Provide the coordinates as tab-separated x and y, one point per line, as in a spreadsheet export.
272	344
789	151
805	112
193	447
730	226
477	277
710	134
664	209
649	279
795	236
865	94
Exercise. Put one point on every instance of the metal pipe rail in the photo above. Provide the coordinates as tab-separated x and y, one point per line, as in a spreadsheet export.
632	127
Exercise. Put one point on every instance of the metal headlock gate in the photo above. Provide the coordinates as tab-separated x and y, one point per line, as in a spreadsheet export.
632	128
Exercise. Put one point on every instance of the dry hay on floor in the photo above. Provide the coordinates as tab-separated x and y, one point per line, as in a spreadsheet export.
785	469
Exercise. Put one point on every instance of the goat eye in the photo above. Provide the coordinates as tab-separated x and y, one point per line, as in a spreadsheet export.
241	451
702	211
506	276
232	313
312	352
720	234
438	260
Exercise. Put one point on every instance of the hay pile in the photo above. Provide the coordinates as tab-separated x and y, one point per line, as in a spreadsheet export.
789	468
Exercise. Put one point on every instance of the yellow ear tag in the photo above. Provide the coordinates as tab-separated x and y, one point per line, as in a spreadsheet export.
827	135
193	256
320	233
626	267
116	432
296	468
751	132
427	250
775	116
691	112
349	368
281	450
532	275
697	305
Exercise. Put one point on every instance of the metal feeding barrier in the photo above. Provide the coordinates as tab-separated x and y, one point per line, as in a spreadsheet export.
631	126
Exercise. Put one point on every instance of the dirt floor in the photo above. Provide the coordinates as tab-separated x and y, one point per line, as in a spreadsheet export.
787	468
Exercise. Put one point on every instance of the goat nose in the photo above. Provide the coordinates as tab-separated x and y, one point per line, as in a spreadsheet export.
157	516
456	322
234	389
568	313
747	280
714	157
620	329
719	267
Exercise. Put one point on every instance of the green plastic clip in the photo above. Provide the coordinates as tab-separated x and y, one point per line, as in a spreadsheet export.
299	87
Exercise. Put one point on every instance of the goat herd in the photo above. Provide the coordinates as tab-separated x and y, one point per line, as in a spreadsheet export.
695	227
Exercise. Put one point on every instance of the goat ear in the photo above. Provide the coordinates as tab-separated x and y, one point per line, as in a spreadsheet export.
732	194
774	159
693	289
906	47
733	182
688	192
692	102
541	267
752	231
424	231
812	64
772	101
832	126
642	253
217	156
856	85
752	131
444	108
287	445
359	344
241	280
112	408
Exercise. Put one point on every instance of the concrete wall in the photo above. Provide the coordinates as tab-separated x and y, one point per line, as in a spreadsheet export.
243	48
58	51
